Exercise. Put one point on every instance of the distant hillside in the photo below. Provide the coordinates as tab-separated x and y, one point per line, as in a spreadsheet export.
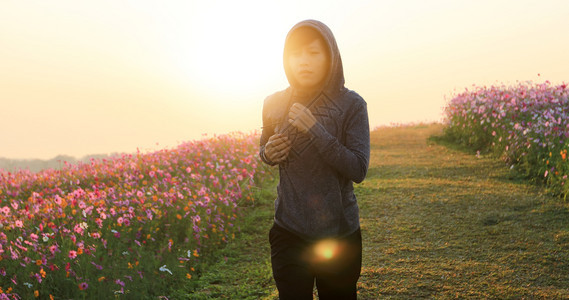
36	165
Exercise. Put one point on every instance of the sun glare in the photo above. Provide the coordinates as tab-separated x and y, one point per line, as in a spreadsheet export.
227	54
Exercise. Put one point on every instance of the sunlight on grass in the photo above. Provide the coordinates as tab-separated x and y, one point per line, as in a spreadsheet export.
440	223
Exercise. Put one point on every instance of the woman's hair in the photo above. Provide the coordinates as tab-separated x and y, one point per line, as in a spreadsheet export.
303	36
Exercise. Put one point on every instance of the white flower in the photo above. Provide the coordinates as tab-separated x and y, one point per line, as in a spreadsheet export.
29	285
164	269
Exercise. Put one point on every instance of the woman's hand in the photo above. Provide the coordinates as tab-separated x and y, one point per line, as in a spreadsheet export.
277	148
301	117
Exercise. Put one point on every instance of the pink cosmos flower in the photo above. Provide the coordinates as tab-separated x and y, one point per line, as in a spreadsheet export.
5	210
72	254
34	237
57	200
78	229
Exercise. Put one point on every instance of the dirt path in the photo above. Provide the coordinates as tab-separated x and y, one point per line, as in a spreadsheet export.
439	223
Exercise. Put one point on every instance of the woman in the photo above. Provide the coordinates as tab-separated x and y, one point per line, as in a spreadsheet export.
317	132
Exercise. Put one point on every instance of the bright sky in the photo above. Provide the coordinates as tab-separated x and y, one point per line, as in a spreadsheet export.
92	77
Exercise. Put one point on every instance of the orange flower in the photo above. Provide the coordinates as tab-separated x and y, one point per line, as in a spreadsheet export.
38	262
36	293
189	276
42	273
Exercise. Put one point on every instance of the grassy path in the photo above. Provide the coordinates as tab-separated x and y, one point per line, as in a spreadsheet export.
436	222
439	223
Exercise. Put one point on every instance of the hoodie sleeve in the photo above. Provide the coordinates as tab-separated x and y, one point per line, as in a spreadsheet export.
265	135
350	159
270	119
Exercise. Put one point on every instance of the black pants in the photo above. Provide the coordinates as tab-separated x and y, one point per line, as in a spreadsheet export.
335	264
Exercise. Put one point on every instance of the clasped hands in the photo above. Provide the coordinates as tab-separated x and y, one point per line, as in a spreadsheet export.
278	146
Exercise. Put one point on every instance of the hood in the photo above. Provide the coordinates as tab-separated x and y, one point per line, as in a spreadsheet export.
334	80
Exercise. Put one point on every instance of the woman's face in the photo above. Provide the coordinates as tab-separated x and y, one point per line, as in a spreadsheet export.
309	64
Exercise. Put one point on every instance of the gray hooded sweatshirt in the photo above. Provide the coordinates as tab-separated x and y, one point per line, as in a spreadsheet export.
315	195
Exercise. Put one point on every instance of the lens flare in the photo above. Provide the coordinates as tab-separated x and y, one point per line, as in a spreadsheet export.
326	249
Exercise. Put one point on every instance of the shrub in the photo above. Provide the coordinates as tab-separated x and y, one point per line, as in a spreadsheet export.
526	124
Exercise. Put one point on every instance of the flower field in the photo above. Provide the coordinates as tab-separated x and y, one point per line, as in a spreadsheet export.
132	226
525	124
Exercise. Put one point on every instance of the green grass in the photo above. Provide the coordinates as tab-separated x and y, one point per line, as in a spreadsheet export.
437	223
